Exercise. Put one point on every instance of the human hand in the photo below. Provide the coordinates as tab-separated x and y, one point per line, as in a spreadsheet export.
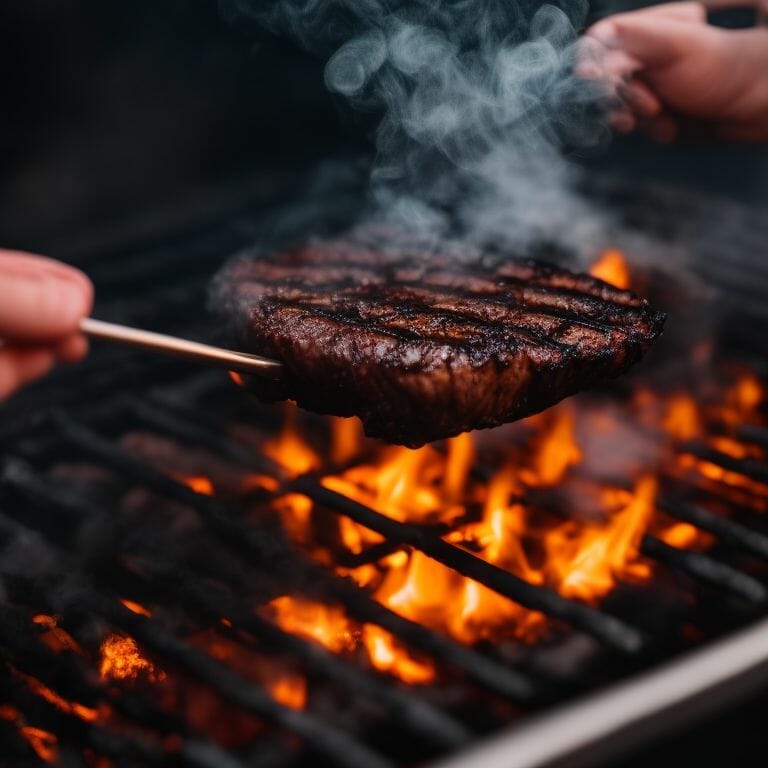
671	70
41	304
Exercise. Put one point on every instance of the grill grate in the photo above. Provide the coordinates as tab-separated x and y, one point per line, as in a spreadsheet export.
68	551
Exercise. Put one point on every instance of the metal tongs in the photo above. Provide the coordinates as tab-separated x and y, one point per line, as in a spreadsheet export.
205	354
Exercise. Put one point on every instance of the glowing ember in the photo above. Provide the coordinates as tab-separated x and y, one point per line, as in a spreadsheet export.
742	399
684	536
44	621
291	691
612	268
44	744
721	475
199	484
136	608
682	418
121	660
70	707
237	378
257	482
56	638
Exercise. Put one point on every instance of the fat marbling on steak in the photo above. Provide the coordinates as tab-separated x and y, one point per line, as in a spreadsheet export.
423	342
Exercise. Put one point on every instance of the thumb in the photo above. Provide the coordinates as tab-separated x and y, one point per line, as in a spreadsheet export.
41	300
653	41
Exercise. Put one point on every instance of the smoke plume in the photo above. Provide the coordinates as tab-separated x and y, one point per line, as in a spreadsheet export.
474	102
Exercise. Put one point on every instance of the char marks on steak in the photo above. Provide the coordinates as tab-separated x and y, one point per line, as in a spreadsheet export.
424	343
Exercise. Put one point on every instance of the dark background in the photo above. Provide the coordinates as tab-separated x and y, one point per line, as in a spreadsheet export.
109	108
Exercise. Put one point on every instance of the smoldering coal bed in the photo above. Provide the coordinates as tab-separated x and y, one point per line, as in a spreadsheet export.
189	577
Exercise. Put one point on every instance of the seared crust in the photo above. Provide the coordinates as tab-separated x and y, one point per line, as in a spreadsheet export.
423	345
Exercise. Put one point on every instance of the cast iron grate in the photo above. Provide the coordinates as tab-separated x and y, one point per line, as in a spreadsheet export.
88	525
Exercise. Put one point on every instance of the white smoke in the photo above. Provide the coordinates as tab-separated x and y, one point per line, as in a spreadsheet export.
476	103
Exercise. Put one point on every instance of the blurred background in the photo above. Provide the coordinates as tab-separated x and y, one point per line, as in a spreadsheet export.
109	109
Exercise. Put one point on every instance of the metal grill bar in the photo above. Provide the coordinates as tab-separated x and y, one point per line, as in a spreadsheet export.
754	470
335	744
199	598
323	737
242	538
751	433
71	730
698	566
23	649
600	625
706	569
702	567
728	531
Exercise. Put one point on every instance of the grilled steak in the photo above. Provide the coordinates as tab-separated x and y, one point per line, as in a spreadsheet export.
424	344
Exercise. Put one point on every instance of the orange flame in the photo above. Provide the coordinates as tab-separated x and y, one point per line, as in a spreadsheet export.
581	558
327	625
289	449
121	660
388	655
346	439
612	268
586	561
237	378
556	449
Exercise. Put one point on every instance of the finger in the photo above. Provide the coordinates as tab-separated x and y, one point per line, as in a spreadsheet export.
594	61
685	11
72	349
19	366
655	42
40	300
623	121
608	71
641	100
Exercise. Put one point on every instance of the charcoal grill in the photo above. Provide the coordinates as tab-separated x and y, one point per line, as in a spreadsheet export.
91	532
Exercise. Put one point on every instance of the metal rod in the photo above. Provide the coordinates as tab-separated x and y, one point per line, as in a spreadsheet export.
608	725
242	362
603	626
255	549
